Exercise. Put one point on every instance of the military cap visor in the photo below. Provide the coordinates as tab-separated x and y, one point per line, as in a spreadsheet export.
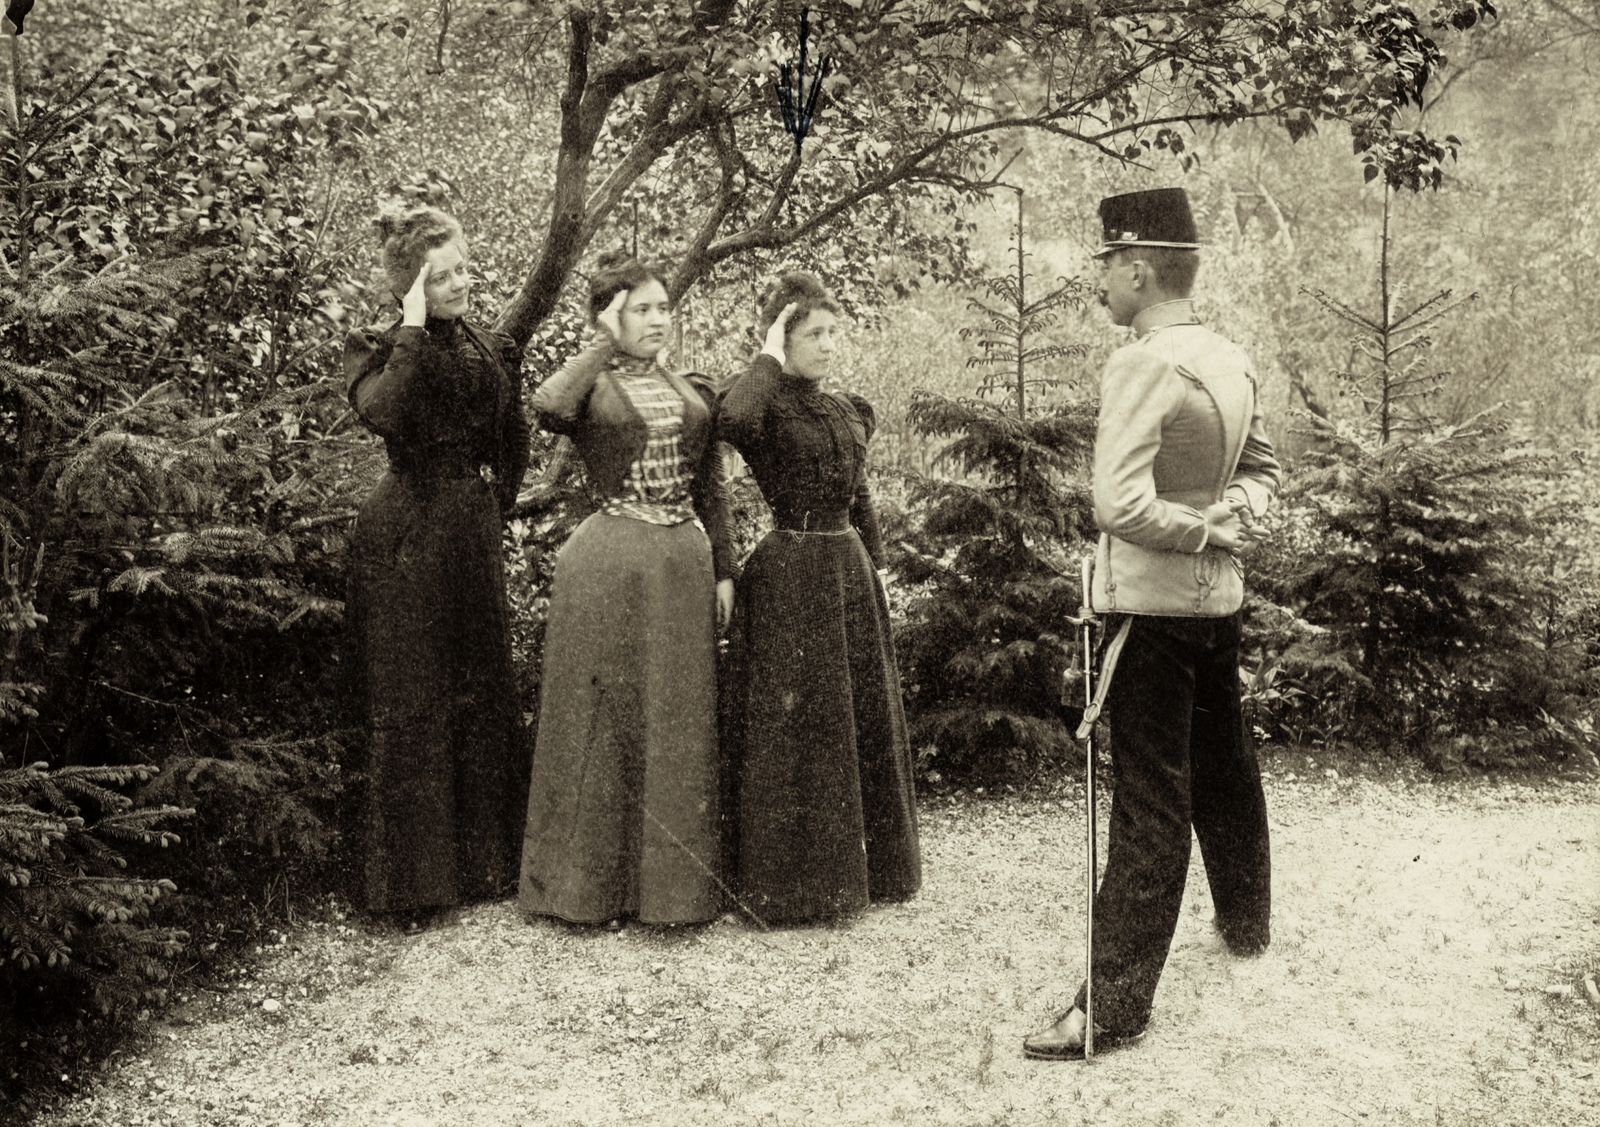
1157	218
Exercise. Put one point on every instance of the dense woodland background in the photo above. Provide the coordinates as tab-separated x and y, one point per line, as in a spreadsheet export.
1409	247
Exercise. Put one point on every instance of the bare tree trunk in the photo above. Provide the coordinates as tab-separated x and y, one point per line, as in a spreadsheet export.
1377	615
1022	313
1022	373
1386	388
24	200
1278	217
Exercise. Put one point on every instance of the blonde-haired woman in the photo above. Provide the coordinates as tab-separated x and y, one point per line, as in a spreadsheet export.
427	613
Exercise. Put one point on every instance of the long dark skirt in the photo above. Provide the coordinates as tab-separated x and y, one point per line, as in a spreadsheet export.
622	810
429	634
818	769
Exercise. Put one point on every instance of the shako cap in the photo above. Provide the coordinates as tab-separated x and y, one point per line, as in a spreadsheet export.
1159	217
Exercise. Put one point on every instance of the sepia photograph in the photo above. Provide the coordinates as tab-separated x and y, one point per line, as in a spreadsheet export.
764	563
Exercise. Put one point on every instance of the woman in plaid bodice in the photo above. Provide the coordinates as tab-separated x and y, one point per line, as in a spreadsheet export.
623	811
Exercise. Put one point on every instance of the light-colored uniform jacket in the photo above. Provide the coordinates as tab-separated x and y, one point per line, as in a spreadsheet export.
1180	429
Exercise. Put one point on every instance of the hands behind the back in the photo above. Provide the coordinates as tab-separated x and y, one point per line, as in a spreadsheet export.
1230	527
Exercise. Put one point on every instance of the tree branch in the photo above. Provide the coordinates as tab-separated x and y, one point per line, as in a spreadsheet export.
573	157
574	217
660	133
695	263
542	492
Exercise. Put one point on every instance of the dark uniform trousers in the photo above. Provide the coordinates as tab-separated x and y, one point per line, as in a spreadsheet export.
1180	756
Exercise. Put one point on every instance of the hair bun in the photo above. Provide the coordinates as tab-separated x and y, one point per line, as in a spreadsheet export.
391	219
802	281
795	287
407	232
610	260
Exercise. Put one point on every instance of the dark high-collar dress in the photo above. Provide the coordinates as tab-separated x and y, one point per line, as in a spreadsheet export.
427	616
821	811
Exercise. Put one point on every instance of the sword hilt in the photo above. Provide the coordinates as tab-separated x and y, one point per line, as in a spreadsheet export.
1085	617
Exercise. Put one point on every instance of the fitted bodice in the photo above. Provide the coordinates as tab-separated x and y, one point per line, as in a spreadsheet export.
806	447
811	450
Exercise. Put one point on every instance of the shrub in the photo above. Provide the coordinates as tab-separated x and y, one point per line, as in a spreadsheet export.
75	926
64	901
982	650
1436	610
177	472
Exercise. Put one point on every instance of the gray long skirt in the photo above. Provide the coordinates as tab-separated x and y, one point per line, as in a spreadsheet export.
623	806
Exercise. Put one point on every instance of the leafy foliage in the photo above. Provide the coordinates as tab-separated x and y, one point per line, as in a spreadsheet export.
981	654
68	910
177	474
626	107
1441	628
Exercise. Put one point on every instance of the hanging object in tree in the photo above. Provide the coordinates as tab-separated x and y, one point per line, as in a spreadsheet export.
797	103
16	12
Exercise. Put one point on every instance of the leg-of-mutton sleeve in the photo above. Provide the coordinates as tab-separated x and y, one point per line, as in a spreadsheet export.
709	491
383	382
745	405
561	400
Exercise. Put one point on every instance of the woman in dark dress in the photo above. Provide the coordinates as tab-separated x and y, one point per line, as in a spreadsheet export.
622	810
427	610
824	814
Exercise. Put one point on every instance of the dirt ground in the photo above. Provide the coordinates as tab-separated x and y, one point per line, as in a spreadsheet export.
1430	946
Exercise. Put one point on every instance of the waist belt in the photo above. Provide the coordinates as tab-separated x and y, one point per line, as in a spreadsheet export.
447	469
813	520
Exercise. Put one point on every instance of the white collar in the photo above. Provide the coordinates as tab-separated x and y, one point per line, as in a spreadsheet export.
1164	314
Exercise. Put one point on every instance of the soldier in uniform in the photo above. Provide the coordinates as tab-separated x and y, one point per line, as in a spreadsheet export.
1182	470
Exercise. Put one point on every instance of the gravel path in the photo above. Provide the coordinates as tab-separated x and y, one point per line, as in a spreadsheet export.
1430	946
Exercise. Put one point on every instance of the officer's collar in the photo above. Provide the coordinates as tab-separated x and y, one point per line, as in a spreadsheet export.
1179	311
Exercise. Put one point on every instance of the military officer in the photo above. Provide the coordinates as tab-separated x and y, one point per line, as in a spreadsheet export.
1182	471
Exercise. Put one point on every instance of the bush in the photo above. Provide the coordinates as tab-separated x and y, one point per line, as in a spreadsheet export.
177	473
64	901
983	648
75	927
1426	577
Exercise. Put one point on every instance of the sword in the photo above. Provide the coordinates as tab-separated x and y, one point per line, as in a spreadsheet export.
1086	730
1093	700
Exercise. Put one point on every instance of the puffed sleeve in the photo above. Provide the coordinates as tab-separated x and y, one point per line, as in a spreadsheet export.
383	378
709	491
863	513
1139	393
1258	475
745	405
559	403
514	429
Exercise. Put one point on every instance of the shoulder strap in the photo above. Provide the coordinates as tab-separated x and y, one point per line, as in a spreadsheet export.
1242	429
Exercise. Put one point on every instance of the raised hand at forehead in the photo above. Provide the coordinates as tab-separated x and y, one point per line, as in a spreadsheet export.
610	318
414	305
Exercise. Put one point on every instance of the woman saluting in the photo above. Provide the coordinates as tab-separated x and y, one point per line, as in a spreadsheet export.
427	614
824	815
622	811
